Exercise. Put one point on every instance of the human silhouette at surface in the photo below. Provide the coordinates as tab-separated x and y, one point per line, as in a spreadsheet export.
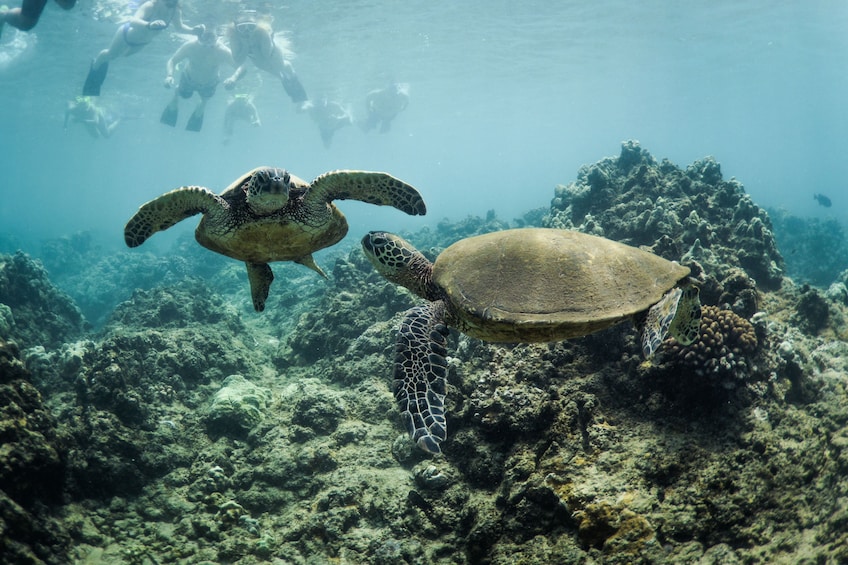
383	105
330	116
97	121
251	38
133	35
240	108
199	60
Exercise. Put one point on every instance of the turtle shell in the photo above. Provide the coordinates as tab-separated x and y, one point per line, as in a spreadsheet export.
538	284
280	235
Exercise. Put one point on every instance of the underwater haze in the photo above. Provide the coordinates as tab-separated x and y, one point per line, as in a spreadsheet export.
680	169
507	99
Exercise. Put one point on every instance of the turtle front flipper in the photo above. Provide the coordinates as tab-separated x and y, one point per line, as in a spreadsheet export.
678	312
419	375
163	212
260	277
375	188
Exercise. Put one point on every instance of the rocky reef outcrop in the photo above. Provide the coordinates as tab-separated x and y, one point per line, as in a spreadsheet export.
33	311
190	429
680	214
32	469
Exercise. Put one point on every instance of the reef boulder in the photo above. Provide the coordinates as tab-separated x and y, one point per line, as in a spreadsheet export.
690	214
36	313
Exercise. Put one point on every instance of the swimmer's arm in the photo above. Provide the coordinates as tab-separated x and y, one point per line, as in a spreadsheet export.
176	58
171	65
102	126
195	30
236	76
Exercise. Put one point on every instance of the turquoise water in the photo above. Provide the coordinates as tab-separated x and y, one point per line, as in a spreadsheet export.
507	100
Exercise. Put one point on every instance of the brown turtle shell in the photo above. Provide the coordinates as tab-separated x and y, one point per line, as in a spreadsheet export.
537	284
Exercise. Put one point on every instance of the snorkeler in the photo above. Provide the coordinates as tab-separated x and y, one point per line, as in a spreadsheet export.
255	40
240	107
25	17
202	58
383	105
330	117
151	17
96	120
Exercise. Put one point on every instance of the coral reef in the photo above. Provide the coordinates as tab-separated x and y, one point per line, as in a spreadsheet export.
74	261
41	314
238	406
726	345
690	214
32	468
188	429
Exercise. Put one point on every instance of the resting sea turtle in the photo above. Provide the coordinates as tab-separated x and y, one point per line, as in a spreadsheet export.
521	285
269	215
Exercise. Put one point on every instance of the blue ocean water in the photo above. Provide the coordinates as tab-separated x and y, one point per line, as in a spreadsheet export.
507	100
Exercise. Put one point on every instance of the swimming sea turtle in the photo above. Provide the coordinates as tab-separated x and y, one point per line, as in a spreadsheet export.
269	215
521	285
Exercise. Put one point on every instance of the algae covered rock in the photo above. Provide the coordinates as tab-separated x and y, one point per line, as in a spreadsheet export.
734	450
41	314
182	305
32	464
7	322
676	212
237	407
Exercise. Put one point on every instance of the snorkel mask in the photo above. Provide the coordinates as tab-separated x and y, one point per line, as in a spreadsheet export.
246	21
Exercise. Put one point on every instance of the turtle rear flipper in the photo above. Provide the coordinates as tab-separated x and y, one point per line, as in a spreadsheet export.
419	375
163	212
260	277
374	188
309	261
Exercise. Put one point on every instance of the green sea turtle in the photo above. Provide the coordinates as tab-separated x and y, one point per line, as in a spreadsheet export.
268	214
521	285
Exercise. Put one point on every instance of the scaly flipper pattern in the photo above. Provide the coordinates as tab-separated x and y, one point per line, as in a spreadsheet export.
419	374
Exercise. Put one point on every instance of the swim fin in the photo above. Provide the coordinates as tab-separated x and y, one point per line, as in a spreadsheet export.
95	79
195	121
169	115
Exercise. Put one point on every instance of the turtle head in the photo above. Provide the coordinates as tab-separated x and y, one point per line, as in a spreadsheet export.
267	190
398	261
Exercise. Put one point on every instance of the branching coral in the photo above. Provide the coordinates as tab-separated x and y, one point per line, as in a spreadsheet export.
725	342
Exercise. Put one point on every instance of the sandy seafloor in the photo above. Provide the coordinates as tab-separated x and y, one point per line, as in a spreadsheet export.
164	422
